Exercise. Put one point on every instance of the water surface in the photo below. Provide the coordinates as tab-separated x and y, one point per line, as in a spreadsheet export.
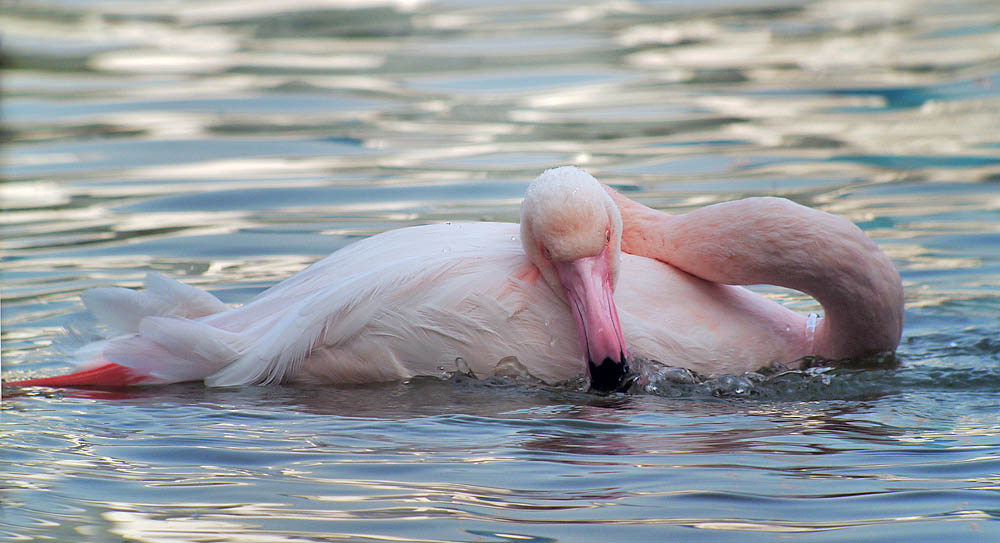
229	144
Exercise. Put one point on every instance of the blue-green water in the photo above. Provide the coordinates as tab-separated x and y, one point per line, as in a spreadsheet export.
229	144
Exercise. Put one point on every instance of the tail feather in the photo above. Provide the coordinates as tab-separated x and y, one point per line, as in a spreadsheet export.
107	375
160	341
123	309
176	350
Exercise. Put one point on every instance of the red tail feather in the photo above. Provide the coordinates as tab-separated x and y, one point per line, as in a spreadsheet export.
108	375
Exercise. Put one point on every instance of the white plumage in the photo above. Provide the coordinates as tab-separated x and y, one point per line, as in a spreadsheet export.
479	296
412	301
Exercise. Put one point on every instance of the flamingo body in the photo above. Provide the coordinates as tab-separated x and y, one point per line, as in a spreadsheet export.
482	297
414	301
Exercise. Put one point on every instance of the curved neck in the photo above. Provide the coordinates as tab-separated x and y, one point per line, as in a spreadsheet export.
777	242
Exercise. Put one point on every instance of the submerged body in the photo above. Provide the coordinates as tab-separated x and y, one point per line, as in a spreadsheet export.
481	297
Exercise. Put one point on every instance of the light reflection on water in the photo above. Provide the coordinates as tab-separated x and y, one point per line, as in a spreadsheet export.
426	459
231	143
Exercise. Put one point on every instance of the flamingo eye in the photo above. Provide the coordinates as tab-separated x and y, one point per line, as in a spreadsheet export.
545	251
607	236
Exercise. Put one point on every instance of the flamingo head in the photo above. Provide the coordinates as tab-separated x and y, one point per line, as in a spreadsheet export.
572	230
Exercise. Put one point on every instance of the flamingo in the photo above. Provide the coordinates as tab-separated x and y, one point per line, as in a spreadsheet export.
589	280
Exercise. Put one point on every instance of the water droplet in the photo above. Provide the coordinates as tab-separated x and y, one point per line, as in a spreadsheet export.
510	366
513	238
679	375
731	385
463	367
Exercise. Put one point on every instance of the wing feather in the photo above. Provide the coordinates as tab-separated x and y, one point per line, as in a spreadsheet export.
123	309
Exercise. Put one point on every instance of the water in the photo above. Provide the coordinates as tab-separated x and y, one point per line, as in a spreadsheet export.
229	144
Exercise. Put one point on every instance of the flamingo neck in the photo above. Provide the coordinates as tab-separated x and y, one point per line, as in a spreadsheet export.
775	241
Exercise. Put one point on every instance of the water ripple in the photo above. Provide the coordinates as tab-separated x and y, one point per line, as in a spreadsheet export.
231	143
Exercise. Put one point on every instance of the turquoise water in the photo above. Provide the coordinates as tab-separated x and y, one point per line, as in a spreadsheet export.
229	144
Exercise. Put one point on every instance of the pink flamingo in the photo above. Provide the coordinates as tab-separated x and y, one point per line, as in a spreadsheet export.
589	279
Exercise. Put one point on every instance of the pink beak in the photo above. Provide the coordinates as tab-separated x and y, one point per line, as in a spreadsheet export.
587	282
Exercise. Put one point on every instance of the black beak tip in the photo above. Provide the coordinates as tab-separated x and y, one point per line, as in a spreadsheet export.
609	375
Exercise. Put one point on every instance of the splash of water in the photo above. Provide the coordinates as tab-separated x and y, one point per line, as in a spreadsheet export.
806	379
